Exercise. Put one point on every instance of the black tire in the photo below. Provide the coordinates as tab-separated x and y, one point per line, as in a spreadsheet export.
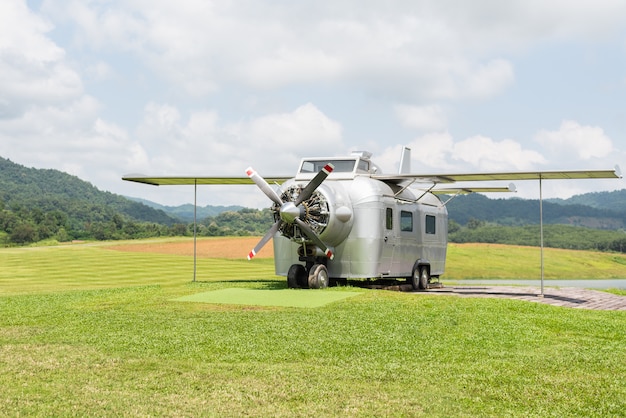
318	277
420	278
296	276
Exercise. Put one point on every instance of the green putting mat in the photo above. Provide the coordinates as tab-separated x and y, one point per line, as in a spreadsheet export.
297	298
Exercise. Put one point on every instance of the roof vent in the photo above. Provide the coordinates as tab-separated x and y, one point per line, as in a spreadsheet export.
366	155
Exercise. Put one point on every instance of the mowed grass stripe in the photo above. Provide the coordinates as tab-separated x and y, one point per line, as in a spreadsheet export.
27	270
95	266
496	261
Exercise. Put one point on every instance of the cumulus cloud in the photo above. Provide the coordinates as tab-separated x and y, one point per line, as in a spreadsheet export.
202	143
506	155
432	49
304	128
440	153
573	140
409	50
425	118
33	70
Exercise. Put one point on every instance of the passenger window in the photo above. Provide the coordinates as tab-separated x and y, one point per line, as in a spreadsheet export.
406	221
430	224
389	218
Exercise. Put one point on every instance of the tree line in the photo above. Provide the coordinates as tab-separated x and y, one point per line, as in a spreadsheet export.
556	236
22	224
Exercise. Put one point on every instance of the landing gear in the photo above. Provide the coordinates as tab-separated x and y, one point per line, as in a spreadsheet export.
318	277
420	277
296	276
313	274
315	278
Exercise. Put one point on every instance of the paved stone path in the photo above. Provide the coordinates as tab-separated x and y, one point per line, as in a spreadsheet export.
569	297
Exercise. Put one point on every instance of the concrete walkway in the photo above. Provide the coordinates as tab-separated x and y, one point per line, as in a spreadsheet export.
567	297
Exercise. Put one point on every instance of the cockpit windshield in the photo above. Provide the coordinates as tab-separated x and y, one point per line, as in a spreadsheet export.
341	166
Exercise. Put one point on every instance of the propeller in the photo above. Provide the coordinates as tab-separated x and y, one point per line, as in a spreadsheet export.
266	188
291	212
268	236
314	184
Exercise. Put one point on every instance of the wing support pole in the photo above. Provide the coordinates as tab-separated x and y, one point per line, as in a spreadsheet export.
426	192
409	185
195	235
541	228
452	197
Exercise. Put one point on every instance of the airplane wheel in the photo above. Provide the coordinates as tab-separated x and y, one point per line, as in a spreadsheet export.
296	276
420	278
318	277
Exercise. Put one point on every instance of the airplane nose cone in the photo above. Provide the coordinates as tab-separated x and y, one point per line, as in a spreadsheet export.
289	212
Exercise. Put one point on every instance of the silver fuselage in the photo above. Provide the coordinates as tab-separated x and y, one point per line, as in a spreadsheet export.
376	229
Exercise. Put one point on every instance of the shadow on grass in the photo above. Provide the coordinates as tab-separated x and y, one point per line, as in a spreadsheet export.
262	284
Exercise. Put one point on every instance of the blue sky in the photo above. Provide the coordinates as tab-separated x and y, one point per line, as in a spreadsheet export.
104	88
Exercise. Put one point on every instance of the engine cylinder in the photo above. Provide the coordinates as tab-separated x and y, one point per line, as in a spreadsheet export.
327	212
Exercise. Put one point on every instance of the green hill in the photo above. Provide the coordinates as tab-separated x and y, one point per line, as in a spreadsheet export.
38	204
615	201
604	214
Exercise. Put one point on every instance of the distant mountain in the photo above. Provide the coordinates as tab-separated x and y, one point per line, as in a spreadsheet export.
615	201
185	212
604	214
43	203
49	189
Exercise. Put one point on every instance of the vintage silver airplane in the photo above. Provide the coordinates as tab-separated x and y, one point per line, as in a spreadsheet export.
342	218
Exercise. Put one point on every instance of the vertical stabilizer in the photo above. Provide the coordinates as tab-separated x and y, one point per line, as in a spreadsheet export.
405	161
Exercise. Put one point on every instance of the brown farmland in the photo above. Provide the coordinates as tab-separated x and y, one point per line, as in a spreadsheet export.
222	247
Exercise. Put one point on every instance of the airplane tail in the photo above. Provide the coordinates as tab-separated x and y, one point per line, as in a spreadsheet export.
405	161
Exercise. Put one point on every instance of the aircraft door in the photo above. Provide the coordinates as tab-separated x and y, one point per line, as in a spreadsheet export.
388	242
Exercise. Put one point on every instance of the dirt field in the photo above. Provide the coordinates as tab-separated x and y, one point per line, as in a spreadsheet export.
222	247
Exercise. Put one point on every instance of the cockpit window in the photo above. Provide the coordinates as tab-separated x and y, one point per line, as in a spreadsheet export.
341	166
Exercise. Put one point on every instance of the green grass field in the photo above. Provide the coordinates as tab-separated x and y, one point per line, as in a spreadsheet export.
89	331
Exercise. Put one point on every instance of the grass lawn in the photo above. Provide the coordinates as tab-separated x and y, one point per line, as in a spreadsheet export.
90	331
497	261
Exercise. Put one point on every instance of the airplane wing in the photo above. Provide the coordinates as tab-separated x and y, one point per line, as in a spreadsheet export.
190	180
512	175
392	178
467	190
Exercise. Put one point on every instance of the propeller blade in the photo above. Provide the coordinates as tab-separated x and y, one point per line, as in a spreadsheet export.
314	184
268	236
313	237
266	188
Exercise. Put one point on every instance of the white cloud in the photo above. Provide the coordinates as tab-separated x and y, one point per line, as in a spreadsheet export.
489	155
573	140
488	79
303	129
400	48
432	152
33	70
437	49
439	153
203	144
425	118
